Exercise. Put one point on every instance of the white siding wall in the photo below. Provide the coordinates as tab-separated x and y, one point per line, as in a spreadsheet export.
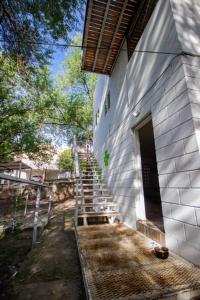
173	102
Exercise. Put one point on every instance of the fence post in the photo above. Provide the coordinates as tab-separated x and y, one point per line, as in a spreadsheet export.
26	202
14	218
36	215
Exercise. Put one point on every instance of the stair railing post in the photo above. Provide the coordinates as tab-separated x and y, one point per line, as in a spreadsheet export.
76	163
77	174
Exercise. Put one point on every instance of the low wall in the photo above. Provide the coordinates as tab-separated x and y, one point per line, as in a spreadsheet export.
62	190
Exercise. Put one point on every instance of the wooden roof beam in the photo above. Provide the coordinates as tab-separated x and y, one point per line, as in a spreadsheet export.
141	6
116	30
101	34
86	30
132	27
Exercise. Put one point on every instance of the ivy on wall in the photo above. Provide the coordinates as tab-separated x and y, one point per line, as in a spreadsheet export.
106	158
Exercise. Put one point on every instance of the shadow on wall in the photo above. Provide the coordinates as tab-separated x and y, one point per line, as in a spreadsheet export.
187	16
182	215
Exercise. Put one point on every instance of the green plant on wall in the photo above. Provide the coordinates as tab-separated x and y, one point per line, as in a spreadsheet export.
106	158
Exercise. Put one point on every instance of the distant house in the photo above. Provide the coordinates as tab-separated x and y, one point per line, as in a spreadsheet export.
147	112
27	169
30	170
45	171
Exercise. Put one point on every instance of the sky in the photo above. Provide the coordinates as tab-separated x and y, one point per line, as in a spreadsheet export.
56	66
59	54
57	60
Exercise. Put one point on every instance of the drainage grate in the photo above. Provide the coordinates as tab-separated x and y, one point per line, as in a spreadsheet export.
119	264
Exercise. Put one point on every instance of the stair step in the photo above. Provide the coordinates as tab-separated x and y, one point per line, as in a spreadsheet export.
86	154
101	190
88	171
90	176
91	184
88	166
110	204
86	178
92	196
92	190
88	163
82	190
97	214
85	175
91	179
84	158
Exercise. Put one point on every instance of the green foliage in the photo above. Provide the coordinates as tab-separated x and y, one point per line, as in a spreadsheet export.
28	99
106	158
75	89
65	161
25	100
25	26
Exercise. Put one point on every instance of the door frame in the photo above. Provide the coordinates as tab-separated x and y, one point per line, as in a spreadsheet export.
140	201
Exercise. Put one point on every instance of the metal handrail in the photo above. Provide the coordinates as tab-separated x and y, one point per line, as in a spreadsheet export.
76	161
21	180
76	174
38	197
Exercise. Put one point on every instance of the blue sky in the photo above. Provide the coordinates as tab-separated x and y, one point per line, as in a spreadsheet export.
56	66
59	54
57	60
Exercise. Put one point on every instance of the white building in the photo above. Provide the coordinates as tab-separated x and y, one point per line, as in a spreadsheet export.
147	112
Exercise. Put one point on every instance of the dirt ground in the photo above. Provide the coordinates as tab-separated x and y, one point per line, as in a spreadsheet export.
14	247
51	269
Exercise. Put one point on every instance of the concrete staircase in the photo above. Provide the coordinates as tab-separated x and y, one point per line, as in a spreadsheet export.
94	201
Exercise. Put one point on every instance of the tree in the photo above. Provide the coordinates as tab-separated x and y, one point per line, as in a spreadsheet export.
65	161
25	100
28	28
30	101
75	89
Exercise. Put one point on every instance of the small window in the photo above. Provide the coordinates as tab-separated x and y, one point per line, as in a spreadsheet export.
105	107
108	100
107	103
97	117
